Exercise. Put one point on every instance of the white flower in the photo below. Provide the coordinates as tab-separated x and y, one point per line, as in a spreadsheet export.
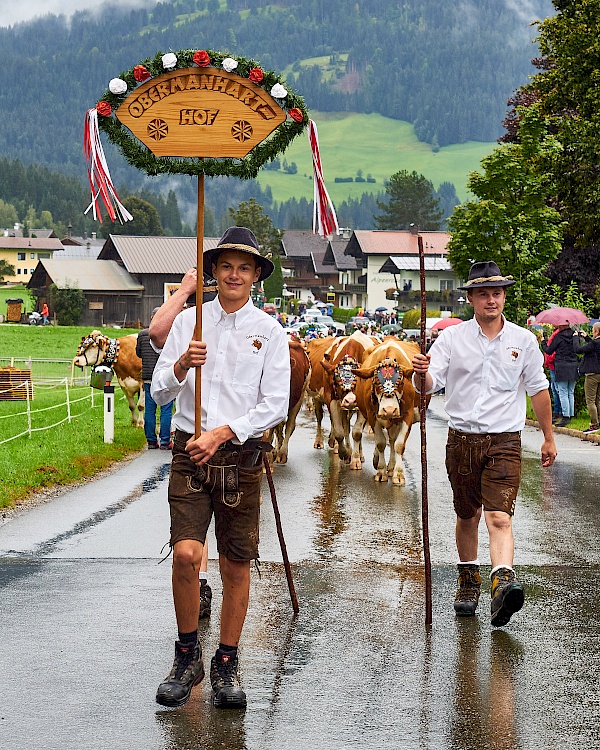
229	64
117	86
169	61
278	92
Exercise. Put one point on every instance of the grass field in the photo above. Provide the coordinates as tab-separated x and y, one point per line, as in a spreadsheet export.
67	452
376	145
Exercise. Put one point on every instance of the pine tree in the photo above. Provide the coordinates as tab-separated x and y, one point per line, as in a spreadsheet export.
411	201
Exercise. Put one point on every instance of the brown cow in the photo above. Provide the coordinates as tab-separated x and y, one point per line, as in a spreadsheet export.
299	377
335	386
97	349
386	399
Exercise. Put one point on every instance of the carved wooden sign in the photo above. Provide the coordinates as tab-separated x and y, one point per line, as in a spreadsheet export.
200	112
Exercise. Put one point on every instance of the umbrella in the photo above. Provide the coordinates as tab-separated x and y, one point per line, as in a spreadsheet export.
318	303
561	316
445	323
381	309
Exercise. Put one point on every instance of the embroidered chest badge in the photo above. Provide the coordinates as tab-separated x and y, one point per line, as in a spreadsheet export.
514	354
257	345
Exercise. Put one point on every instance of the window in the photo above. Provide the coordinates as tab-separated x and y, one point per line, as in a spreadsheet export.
24	272
18	271
31	256
31	270
446	285
42	256
21	256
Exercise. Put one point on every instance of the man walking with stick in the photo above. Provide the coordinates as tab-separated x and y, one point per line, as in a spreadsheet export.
487	365
246	374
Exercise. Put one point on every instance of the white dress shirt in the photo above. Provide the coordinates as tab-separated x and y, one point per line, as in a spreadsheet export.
246	378
486	381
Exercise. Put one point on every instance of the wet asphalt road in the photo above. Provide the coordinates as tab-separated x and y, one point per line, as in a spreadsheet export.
88	628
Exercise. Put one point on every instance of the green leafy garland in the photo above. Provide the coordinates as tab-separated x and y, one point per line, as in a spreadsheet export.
139	156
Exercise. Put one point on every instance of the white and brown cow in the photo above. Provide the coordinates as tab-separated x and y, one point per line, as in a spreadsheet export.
97	349
333	383
386	398
299	377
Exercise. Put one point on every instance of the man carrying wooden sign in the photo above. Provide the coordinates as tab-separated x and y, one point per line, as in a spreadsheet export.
246	371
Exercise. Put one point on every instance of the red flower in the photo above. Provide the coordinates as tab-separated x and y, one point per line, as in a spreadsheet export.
201	58
256	75
141	73
296	114
104	109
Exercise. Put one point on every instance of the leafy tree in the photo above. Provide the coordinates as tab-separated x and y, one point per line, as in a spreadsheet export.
68	303
8	215
411	201
250	214
6	269
146	222
273	286
511	222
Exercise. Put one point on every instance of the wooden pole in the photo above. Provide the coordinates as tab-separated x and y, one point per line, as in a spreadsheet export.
199	294
423	414
284	554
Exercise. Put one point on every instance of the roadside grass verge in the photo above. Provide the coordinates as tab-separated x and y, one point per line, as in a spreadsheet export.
16	292
64	454
70	451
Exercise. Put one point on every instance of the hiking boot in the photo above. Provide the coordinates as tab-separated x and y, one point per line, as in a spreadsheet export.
467	593
152	446
205	600
187	671
592	428
225	682
562	422
507	596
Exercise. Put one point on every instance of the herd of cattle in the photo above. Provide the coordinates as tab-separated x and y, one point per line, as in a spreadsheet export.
356	374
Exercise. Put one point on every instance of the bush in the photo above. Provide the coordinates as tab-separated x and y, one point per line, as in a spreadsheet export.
68	304
411	319
343	314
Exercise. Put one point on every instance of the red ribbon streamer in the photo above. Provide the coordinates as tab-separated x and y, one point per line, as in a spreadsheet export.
99	177
324	217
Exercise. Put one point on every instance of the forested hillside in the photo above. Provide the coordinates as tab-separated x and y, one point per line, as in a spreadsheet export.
448	68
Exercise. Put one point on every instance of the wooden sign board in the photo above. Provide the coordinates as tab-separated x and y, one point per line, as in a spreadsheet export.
200	112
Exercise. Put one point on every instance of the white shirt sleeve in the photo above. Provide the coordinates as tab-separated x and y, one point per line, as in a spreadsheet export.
165	386
438	366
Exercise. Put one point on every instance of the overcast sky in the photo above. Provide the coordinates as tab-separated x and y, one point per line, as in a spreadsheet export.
12	11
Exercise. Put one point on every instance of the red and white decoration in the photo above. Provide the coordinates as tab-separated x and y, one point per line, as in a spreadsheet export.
101	183
324	217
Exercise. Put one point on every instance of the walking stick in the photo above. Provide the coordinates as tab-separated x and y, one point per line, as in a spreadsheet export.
199	300
423	415
286	562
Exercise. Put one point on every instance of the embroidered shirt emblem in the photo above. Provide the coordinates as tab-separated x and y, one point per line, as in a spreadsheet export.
257	344
514	354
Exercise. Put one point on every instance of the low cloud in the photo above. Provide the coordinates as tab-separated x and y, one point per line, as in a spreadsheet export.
12	12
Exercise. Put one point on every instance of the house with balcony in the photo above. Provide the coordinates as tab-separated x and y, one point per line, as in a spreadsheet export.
390	261
350	286
304	274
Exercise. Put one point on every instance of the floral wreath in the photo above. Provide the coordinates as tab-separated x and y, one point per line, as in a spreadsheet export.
138	155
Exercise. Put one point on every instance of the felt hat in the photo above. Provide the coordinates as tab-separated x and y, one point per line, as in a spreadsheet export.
486	273
242	239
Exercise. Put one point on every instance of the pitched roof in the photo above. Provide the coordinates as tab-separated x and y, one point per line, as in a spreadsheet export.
77	251
334	255
30	243
379	242
87	275
164	255
396	263
298	243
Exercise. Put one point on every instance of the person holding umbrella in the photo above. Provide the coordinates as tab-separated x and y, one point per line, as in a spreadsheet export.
487	366
566	369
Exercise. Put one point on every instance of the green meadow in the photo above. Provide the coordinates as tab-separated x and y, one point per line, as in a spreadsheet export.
376	145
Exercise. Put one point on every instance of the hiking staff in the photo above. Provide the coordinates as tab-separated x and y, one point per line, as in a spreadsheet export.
284	554
423	417
199	300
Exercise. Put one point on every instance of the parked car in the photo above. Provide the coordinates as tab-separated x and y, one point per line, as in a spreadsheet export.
328	321
356	322
320	328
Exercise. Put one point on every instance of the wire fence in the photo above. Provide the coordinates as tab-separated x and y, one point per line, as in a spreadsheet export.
30	420
49	370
